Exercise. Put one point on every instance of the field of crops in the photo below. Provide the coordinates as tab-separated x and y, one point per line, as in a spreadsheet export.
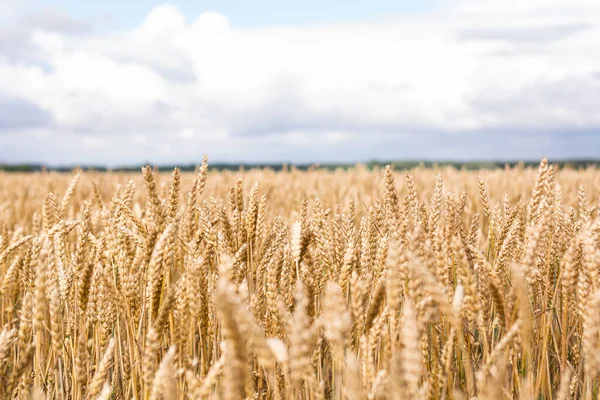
359	284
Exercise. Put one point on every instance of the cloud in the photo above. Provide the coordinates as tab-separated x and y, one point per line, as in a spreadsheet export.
442	84
54	20
18	40
18	114
524	34
563	104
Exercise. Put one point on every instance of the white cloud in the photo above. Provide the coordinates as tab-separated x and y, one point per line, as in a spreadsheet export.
470	67
188	133
162	20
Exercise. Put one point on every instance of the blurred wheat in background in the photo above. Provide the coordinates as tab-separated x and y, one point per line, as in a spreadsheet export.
360	284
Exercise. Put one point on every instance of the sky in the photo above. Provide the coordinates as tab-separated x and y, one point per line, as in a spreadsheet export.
127	82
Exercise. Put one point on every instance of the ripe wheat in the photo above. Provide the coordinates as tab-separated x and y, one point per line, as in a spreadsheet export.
359	284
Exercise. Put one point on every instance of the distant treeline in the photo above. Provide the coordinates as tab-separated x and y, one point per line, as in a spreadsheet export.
398	165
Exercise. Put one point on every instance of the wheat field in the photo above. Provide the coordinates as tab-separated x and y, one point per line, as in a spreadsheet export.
358	284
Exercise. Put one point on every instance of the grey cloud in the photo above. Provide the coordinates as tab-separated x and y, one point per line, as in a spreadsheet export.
483	145
582	144
16	114
178	75
551	105
282	120
286	111
162	58
523	35
58	148
16	45
55	20
279	119
158	119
